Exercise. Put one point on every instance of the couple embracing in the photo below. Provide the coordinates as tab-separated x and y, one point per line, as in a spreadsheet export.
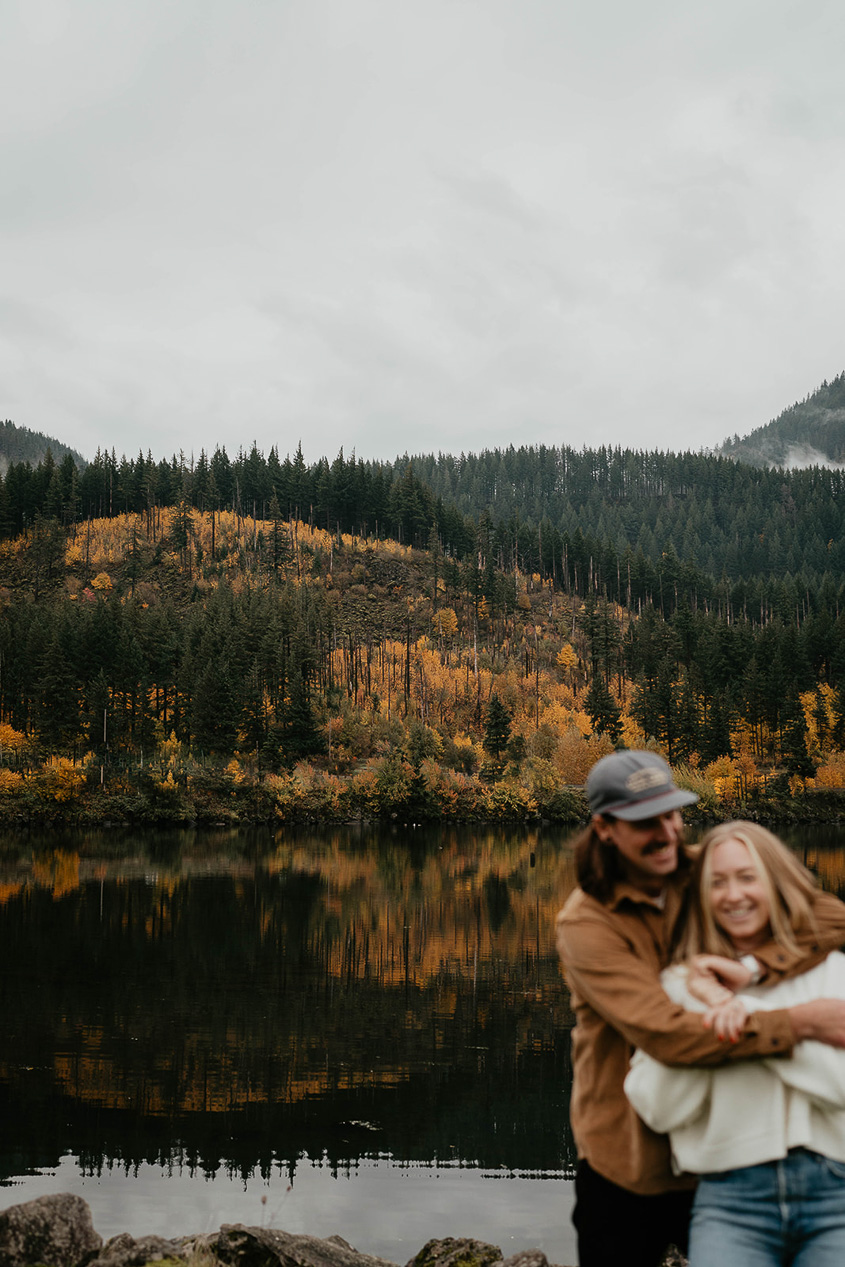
717	970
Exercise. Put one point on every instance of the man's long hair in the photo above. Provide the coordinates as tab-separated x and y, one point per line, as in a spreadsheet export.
597	865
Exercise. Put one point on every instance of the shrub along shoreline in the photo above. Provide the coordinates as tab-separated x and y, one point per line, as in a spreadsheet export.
388	789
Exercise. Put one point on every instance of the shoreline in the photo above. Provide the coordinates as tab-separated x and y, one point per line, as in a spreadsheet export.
253	808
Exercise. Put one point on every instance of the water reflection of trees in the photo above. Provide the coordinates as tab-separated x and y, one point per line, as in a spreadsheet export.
328	995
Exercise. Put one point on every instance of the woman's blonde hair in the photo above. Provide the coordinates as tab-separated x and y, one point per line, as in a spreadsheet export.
789	889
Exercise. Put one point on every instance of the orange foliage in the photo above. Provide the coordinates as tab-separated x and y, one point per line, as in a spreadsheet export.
62	779
832	773
10	781
12	740
567	657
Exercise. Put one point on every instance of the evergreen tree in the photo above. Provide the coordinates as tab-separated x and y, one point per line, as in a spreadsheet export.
689	723
716	728
655	706
602	709
97	714
59	696
215	709
497	729
181	526
302	736
793	739
253	720
280	550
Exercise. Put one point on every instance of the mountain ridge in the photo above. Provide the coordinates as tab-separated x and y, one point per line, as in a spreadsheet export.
21	444
810	432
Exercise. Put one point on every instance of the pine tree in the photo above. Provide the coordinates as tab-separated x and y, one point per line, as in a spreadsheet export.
302	736
59	696
280	550
689	723
716	729
215	706
602	709
793	739
497	729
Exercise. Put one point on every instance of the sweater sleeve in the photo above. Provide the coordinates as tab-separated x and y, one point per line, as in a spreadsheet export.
666	1098
817	1070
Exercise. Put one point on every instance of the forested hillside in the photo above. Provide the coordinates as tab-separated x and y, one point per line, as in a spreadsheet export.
19	444
810	432
181	662
638	528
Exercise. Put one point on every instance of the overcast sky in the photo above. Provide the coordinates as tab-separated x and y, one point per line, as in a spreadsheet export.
416	225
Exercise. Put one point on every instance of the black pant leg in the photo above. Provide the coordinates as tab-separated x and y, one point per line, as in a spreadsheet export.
618	1228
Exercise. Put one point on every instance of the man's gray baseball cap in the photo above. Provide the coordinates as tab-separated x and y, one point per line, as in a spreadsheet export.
634	785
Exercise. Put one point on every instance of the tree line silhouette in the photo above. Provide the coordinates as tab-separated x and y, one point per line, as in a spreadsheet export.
637	527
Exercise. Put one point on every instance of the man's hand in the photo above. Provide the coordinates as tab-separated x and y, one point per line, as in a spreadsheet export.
727	1020
714	978
822	1020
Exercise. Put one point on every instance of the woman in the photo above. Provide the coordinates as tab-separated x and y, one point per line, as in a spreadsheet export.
767	1136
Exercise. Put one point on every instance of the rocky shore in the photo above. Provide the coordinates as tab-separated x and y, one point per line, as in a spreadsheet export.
58	1231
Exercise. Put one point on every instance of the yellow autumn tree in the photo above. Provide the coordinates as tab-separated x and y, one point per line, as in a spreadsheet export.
446	622
832	773
10	781
12	741
63	779
567	657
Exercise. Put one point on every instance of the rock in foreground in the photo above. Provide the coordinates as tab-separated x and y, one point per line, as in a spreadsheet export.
239	1246
56	1231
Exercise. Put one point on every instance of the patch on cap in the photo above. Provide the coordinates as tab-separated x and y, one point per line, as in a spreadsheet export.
642	780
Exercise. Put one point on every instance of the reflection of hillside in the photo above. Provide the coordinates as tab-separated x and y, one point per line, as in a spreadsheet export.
93	1076
403	920
828	865
312	975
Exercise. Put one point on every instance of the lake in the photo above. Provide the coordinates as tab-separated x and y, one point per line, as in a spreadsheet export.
355	1031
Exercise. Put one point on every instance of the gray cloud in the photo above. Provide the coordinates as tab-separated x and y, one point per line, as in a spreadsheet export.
439	225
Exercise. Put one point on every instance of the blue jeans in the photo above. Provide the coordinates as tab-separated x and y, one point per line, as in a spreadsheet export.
788	1213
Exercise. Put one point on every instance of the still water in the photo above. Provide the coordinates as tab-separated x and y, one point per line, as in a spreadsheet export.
361	1032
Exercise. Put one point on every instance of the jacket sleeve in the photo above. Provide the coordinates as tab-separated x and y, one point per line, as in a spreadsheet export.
605	971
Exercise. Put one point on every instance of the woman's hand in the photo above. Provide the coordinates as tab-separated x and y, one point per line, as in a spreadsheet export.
714	978
727	1020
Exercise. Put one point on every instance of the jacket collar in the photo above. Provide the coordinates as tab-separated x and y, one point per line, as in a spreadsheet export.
624	892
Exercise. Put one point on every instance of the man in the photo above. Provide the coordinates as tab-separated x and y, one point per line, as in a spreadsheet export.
614	937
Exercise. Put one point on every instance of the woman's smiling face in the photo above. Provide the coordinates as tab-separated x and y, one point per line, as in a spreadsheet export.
738	897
